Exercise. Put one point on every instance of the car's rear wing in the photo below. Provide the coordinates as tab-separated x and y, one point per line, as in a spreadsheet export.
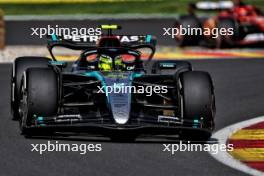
210	6
91	42
85	42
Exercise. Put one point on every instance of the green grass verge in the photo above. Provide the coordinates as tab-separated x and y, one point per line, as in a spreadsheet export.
145	7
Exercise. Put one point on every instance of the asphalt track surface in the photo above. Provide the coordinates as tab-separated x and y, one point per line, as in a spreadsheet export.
239	88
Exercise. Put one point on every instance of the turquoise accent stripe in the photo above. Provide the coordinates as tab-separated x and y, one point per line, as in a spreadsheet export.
148	38
57	62
135	75
195	121
40	119
54	37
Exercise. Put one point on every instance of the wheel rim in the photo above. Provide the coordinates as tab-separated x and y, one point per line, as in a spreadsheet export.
181	100
23	107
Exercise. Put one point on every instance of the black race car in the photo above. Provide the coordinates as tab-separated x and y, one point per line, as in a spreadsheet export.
162	97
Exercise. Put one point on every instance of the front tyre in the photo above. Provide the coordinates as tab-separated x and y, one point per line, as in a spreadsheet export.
20	65
188	22
198	101
39	92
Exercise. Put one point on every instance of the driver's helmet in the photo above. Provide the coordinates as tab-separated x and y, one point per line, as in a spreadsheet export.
119	64
106	63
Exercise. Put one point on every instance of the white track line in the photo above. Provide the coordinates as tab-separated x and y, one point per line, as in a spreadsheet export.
223	157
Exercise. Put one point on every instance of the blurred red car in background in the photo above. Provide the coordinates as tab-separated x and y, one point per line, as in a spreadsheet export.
246	22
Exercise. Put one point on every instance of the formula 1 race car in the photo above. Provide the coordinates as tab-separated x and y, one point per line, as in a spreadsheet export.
245	24
113	89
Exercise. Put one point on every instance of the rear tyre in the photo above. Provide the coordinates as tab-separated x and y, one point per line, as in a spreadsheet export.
198	102
20	65
188	22
39	96
227	41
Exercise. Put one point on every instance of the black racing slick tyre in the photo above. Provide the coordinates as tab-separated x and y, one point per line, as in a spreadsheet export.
188	22
20	65
198	101
39	92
